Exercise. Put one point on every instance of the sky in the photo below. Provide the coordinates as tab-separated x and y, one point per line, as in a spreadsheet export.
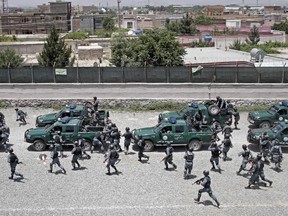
103	3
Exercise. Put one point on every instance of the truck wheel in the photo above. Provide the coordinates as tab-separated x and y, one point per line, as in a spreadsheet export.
213	110
265	124
149	146
39	145
87	145
195	144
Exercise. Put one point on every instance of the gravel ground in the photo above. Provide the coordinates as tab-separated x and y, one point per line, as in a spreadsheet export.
140	188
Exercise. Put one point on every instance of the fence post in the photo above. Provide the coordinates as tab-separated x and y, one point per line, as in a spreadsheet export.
237	72
283	72
100	75
32	73
145	73
167	74
9	74
77	73
123	75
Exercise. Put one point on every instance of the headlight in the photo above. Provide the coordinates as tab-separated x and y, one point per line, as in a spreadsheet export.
256	137
257	117
28	136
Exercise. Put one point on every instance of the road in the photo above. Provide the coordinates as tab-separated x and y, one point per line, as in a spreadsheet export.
140	188
143	91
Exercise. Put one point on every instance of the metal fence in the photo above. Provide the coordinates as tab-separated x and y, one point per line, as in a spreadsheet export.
145	75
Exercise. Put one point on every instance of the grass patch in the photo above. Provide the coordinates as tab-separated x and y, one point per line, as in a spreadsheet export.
3	104
259	107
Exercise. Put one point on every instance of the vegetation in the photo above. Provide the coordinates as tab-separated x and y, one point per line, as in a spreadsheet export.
283	26
108	23
202	43
184	27
152	48
55	52
268	47
4	38
203	20
253	36
10	59
76	35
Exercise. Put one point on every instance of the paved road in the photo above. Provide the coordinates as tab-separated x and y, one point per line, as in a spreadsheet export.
143	91
140	189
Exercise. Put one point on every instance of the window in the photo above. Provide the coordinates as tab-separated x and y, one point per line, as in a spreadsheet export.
167	129
76	113
69	129
282	112
56	129
179	129
129	24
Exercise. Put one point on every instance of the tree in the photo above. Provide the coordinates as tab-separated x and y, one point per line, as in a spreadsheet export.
10	59
282	26
203	20
152	48
253	36
55	52
108	23
187	26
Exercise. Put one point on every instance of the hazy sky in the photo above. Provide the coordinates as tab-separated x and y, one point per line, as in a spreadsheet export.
26	3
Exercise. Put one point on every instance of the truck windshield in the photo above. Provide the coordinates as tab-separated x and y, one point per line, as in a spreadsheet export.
184	110
273	110
277	128
158	127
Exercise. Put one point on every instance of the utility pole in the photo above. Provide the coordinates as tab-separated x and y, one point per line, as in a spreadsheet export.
119	23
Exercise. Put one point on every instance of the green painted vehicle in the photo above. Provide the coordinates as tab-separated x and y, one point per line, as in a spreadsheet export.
266	118
177	132
73	111
209	110
279	131
69	128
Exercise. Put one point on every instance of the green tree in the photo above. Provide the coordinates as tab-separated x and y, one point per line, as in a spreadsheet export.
55	52
108	23
187	26
152	48
10	59
282	26
203	20
253	36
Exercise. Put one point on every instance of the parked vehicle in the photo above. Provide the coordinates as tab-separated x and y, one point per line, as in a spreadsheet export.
266	118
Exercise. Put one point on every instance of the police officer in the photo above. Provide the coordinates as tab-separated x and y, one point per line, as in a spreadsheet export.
111	157
97	141
13	161
227	129
215	154
206	183
276	154
230	107
76	152
227	144
246	154
258	171
20	116
55	159
169	156
95	104
58	143
220	102
198	120
127	139
4	136
265	145
189	157
116	135
141	144
236	115
81	143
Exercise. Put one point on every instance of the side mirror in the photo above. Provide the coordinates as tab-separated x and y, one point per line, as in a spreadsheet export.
107	114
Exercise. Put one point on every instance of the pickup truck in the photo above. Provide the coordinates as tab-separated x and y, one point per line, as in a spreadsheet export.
266	118
69	128
279	131
210	111
177	132
72	111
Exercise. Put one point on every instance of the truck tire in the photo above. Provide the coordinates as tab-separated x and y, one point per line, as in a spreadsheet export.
213	110
87	145
195	144
149	146
39	145
265	124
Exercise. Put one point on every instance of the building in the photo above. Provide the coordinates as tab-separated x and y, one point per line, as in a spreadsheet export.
39	22
89	22
212	11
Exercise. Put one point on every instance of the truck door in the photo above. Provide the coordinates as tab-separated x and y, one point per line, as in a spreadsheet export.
166	134
282	114
178	134
54	131
69	134
284	136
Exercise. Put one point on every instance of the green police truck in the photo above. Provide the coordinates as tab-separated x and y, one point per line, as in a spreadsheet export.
69	128
177	132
